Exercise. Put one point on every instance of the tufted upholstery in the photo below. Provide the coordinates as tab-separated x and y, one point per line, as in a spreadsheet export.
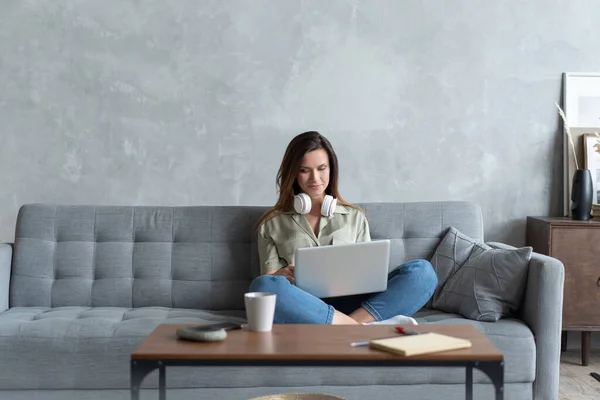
182	257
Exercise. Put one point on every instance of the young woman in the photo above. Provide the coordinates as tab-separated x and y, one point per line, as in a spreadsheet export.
311	212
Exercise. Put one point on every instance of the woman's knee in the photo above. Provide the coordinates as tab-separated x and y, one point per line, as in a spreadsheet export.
428	274
268	283
425	273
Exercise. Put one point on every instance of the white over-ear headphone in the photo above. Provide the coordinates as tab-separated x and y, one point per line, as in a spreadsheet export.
302	204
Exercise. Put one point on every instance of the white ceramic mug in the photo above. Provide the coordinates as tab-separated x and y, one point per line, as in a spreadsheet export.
260	310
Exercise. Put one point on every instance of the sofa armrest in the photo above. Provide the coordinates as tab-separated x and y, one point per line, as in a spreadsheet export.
542	312
5	267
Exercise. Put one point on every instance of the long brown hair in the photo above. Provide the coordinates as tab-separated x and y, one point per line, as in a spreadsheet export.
287	184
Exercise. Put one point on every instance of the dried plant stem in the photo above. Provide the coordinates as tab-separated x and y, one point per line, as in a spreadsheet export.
568	131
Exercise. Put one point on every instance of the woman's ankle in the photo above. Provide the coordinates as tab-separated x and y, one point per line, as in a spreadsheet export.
342	319
362	316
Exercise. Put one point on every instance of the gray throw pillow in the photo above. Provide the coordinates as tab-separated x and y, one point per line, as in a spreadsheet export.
452	252
478	281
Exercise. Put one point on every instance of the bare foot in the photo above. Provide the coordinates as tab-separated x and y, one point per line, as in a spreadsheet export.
342	319
361	316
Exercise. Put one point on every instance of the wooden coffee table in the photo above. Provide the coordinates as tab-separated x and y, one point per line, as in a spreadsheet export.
310	345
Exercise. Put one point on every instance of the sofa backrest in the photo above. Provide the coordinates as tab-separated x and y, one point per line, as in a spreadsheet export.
199	257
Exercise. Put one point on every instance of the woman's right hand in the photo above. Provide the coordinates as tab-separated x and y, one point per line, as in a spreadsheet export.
287	272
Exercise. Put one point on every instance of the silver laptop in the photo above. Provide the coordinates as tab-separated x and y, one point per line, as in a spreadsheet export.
341	270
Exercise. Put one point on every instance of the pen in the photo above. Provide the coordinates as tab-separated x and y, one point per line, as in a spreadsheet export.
363	343
403	331
399	329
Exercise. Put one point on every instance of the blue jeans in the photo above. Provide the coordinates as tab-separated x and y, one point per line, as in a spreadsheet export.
410	286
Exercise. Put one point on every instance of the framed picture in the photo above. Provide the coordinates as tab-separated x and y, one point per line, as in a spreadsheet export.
581	104
591	148
582	99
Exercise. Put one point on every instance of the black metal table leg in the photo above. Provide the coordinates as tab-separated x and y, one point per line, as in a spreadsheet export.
469	383
162	385
139	370
495	370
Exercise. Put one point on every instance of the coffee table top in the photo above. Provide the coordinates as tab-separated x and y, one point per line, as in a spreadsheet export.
307	342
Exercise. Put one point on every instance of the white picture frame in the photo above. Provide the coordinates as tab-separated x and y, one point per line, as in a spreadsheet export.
581	104
591	150
581	99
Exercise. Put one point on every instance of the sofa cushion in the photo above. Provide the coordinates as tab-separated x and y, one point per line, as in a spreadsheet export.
136	256
81	347
84	348
511	336
477	281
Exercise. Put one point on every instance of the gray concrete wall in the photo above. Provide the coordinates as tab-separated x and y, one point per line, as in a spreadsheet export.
193	102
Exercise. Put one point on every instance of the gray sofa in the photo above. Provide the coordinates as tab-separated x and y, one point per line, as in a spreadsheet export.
87	284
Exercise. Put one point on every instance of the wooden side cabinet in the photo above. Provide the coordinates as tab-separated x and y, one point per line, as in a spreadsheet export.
577	245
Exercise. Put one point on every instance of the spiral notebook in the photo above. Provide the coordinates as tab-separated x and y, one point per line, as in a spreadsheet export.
411	345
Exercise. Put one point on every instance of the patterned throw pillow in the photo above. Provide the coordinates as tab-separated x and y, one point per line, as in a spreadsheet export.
478	281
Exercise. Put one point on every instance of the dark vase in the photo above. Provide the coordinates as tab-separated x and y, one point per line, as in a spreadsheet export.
582	195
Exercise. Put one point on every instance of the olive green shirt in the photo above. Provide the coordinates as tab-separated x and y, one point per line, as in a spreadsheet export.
280	236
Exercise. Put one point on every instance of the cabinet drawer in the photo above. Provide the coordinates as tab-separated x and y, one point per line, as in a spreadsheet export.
579	250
